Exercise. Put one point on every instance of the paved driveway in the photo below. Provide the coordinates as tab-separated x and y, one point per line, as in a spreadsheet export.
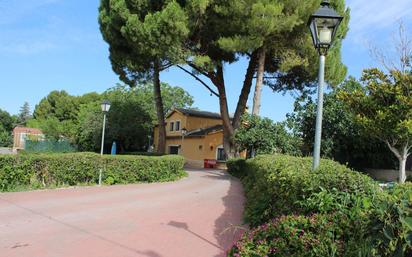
4	150
194	217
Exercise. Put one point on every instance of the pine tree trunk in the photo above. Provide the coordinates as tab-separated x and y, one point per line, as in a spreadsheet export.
161	144
228	131
259	81
402	169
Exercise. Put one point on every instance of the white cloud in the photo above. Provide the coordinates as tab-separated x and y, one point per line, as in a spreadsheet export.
370	16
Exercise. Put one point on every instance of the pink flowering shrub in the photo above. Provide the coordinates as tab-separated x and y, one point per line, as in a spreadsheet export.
292	235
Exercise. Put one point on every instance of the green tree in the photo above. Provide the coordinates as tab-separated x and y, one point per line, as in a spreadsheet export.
131	117
273	29
57	104
54	129
263	136
145	37
342	137
24	114
218	32
7	123
173	97
57	114
89	130
383	107
6	139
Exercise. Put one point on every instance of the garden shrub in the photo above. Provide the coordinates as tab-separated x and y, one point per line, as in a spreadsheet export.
278	184
298	236
391	222
362	219
46	170
237	167
143	153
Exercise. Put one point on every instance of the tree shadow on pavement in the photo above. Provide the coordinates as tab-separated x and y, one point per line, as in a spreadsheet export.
229	226
184	226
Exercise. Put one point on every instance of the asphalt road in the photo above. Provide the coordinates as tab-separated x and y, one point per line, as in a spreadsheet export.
195	217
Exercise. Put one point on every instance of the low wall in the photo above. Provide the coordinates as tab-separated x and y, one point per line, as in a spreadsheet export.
385	175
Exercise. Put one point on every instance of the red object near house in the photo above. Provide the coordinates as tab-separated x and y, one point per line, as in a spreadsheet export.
210	164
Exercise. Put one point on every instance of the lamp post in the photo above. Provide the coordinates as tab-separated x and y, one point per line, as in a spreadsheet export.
184	133
323	25
105	105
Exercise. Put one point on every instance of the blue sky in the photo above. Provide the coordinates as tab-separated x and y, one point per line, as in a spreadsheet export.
50	45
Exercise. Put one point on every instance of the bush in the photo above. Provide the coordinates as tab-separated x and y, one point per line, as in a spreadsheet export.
237	167
391	222
298	236
48	170
143	153
361	219
278	185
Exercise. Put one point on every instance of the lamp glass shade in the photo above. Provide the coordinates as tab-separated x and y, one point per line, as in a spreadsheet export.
325	35
105	106
323	26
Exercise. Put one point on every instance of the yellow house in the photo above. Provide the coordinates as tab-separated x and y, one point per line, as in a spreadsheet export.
203	140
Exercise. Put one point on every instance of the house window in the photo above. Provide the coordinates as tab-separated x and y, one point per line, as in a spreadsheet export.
177	126
221	155
172	125
174	149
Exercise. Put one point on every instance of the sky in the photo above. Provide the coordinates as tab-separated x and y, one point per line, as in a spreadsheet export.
50	45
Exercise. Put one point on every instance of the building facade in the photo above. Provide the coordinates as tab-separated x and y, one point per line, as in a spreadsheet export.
203	141
21	134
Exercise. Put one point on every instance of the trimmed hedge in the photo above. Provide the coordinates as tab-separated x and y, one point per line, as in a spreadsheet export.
53	170
361	219
142	153
237	167
276	184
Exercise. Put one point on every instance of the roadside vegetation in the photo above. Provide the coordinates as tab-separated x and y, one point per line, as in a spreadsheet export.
333	211
40	171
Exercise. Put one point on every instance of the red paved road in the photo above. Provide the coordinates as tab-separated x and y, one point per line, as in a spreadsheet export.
193	217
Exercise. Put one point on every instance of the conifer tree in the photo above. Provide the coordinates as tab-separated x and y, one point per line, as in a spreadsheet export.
224	31
24	114
144	38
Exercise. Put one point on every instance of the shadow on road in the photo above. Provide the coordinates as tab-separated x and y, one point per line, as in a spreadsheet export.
228	228
184	226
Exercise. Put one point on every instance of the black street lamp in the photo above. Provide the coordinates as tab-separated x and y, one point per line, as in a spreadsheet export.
323	25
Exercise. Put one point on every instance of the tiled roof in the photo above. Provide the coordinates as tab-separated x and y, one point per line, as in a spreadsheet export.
33	131
205	131
198	113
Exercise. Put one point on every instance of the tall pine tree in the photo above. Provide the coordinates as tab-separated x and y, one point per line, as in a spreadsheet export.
24	114
224	31
145	38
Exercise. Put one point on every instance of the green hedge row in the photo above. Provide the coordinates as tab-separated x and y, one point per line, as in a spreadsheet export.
53	170
332	211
